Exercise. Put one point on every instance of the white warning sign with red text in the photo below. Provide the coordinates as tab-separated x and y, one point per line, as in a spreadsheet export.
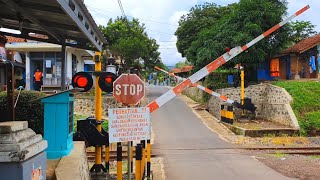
129	124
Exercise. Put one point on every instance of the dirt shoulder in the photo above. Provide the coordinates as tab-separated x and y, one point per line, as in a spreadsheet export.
295	166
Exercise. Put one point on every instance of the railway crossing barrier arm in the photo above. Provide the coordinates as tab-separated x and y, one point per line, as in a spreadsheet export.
247	106
154	105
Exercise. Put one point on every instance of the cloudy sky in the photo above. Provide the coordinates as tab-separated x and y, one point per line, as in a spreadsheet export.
161	17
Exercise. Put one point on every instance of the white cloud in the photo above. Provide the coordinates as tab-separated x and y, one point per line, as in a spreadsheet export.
161	17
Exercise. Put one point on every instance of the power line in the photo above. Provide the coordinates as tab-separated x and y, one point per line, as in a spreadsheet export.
121	8
150	30
91	7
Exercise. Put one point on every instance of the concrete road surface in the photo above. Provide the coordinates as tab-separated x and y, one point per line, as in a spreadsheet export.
191	151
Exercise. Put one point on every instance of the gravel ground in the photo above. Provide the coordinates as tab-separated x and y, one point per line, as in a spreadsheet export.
295	166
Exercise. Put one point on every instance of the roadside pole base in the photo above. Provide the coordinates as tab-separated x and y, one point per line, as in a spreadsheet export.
100	176
98	168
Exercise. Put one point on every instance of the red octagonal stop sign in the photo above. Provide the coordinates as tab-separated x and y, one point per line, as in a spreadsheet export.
128	89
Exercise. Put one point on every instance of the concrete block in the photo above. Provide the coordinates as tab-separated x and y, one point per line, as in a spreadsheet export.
30	151
15	137
26	170
21	145
74	166
12	126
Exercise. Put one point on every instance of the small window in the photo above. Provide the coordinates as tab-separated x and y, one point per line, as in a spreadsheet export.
80	16
86	25
71	5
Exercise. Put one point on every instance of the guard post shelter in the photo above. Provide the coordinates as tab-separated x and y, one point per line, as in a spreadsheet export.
58	123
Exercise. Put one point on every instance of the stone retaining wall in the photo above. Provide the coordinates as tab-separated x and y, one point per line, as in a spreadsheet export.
85	105
194	93
272	102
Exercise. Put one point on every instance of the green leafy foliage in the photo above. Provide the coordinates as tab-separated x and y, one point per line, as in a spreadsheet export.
200	17
301	30
29	108
230	26
181	64
128	39
104	125
306	106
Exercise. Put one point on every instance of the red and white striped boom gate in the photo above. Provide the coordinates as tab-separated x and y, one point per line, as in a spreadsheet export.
154	105
207	90
247	104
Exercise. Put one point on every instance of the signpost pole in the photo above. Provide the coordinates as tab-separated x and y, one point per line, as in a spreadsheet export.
129	159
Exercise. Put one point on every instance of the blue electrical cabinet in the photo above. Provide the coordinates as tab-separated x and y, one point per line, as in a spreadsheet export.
58	123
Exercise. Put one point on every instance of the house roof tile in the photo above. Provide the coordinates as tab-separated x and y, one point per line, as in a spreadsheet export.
303	45
11	39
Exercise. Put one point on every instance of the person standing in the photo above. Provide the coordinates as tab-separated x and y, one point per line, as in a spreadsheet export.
37	79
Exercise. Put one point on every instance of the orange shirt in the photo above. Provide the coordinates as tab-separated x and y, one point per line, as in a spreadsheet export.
38	76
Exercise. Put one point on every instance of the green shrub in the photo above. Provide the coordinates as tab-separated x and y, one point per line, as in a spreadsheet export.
105	125
217	80
29	108
214	81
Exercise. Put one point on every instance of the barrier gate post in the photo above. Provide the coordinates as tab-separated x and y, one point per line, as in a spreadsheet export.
138	161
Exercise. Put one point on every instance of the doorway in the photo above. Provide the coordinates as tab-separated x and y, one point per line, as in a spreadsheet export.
34	64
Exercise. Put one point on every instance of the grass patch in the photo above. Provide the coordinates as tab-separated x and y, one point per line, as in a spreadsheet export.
306	106
277	155
315	157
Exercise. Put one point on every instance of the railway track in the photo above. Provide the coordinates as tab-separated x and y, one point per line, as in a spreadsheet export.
308	151
112	157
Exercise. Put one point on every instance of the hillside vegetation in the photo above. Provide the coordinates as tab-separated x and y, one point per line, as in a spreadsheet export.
306	103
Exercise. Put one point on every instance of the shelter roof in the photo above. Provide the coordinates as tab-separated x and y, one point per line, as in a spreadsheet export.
55	21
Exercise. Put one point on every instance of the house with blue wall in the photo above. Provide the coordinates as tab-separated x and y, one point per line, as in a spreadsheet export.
300	61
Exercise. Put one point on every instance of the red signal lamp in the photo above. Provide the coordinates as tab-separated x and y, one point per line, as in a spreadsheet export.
106	80
82	80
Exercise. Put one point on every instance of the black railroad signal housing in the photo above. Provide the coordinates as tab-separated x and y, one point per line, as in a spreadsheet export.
106	80
82	80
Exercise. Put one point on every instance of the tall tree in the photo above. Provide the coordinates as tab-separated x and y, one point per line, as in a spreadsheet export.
243	22
301	30
128	39
181	64
199	17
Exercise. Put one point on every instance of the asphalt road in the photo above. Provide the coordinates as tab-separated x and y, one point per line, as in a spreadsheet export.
191	151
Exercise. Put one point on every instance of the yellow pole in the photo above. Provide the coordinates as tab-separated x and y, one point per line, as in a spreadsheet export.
98	105
242	88
148	158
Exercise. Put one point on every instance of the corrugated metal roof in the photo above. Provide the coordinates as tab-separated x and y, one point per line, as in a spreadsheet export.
57	20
